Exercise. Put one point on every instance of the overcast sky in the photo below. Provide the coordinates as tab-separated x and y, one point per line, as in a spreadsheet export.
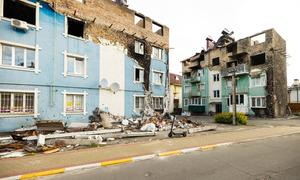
191	21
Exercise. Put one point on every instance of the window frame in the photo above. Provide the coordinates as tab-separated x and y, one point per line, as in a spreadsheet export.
138	51
35	93
161	102
141	17
134	74
37	6
160	53
65	112
162	77
139	109
65	33
216	93
256	100
262	81
216	77
13	45
85	69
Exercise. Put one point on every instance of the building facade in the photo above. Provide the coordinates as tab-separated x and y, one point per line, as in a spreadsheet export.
294	92
258	63
59	60
175	93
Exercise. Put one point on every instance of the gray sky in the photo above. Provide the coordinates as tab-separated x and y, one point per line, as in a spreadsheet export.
191	21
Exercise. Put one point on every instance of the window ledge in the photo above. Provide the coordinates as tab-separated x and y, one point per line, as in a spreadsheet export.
77	75
74	113
16	115
138	82
75	37
19	68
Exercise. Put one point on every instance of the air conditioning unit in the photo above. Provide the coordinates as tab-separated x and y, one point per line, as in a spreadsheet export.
19	24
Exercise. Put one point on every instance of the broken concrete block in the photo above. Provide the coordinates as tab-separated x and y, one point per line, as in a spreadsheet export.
125	122
106	120
41	140
150	127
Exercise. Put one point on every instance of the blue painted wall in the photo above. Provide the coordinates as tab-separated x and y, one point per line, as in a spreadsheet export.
50	81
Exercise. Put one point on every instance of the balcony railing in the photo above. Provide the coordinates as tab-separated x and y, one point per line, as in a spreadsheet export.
239	69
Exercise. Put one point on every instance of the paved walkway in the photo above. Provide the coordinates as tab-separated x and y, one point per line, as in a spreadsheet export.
28	164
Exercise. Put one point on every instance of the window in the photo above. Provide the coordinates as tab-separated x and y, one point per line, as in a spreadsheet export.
187	89
75	65
17	56
201	72
139	75
239	99
74	103
259	81
216	61
186	102
157	28
216	93
139	103
258	102
157	102
258	39
17	103
216	77
229	83
258	59
139	20
231	64
200	87
203	101
139	47
158	78
157	53
75	27
20	10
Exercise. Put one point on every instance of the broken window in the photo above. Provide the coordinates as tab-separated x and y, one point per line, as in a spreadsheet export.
158	78
157	28
74	103
157	53
139	20
157	102
231	47
19	10
216	61
139	75
75	27
230	64
17	56
200	72
75	66
258	39
139	103
258	59
16	103
139	47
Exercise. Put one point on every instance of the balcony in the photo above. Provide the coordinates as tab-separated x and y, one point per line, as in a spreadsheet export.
239	70
196	79
195	92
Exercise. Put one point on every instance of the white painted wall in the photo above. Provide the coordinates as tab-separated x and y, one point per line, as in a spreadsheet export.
178	96
212	87
112	68
243	108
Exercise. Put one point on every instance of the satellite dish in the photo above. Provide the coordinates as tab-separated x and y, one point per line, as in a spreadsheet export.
115	87
104	83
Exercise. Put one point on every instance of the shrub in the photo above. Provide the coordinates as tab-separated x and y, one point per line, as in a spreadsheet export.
226	118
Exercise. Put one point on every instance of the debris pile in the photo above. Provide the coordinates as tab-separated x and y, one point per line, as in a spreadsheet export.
50	136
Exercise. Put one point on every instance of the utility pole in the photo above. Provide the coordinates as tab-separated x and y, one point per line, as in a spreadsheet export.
234	96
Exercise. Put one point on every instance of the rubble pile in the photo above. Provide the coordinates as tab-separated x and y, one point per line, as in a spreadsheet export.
50	136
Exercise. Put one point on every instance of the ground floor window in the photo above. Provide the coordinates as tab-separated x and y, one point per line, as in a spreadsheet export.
158	102
74	103
239	99
195	101
258	102
16	103
139	103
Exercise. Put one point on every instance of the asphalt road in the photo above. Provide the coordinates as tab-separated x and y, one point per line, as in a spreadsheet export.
273	158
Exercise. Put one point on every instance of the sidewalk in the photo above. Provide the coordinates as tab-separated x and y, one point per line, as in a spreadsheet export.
29	164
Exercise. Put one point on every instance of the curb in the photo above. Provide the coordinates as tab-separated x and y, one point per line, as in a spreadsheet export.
133	159
115	162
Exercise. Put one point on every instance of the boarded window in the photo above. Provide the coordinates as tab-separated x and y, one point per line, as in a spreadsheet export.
157	28
216	61
258	59
19	10
139	20
75	27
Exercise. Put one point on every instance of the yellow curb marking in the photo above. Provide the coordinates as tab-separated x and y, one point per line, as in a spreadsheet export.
170	153
208	147
42	173
113	162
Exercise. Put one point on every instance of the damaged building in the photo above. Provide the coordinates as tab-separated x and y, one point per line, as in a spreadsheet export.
60	59
259	65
